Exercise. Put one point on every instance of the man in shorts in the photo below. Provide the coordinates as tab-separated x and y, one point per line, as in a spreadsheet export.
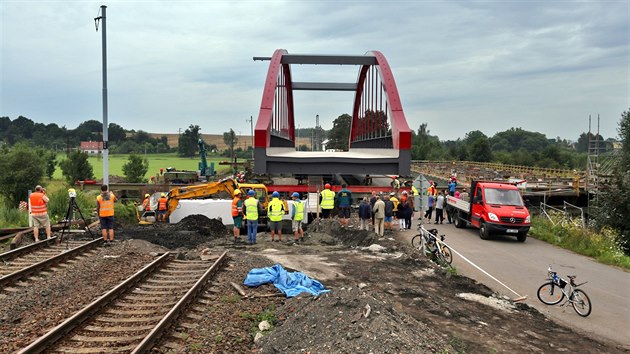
275	210
105	210
297	215
39	212
344	199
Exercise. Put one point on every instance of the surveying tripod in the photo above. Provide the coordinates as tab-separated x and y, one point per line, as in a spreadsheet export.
67	221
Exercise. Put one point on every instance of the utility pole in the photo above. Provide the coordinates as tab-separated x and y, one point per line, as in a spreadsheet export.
102	19
251	125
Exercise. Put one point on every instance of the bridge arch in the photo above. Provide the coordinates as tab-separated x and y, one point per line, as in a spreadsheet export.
379	139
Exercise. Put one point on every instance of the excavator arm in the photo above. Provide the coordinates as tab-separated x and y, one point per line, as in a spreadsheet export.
199	191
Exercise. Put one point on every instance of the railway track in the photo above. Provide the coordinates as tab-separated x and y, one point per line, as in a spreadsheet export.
26	261
131	317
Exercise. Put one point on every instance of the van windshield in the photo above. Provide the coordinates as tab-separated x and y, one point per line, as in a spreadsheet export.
503	197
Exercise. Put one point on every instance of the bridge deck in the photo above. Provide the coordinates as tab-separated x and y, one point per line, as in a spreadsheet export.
276	160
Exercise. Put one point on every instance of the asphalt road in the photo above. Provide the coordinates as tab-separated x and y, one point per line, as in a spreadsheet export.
523	268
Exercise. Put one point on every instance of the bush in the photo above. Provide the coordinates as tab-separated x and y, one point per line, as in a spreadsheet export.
135	169
12	217
22	168
602	246
125	213
60	201
76	167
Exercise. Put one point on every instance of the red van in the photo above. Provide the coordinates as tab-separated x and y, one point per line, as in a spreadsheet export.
495	208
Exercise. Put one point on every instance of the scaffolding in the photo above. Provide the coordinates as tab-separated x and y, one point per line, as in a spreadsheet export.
595	143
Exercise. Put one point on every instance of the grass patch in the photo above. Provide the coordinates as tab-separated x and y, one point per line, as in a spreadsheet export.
598	245
156	161
218	339
230	299
268	315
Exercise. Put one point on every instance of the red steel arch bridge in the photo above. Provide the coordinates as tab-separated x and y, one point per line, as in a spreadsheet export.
379	140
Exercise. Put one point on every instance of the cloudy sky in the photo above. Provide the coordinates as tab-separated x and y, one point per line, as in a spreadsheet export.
459	65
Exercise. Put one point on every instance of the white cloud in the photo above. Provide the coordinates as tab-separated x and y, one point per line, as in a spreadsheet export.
459	65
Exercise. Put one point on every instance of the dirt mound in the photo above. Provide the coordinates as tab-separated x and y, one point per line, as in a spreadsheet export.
202	225
192	231
349	321
349	235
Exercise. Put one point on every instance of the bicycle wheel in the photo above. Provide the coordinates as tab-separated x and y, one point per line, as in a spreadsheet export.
550	294
416	241
581	303
446	253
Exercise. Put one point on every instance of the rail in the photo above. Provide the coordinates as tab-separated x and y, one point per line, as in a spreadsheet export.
55	335
7	279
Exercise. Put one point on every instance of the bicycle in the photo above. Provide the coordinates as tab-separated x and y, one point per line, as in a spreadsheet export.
432	246
555	290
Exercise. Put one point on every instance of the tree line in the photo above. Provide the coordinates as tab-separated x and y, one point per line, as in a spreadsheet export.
55	138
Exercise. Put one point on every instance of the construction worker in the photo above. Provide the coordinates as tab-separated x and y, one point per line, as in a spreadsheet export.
237	214
275	210
416	197
432	190
146	204
395	201
326	201
297	215
252	208
39	211
395	184
105	210
162	207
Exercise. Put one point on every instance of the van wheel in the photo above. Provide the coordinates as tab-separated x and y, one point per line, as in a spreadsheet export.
483	231
521	237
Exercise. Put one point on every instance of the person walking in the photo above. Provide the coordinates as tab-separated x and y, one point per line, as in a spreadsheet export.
379	216
447	208
297	215
162	207
326	201
275	210
389	213
372	201
430	204
237	214
344	199
365	214
405	211
39	211
251	209
105	210
439	209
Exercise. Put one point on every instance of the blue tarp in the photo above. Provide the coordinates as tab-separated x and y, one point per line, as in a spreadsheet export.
289	283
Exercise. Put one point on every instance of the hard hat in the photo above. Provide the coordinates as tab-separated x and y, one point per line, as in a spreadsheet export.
327	186
237	192
251	192
275	194
162	195
147	195
393	177
295	194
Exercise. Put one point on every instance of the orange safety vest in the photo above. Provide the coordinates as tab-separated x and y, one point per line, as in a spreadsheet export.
162	203
237	210
38	205
147	204
106	207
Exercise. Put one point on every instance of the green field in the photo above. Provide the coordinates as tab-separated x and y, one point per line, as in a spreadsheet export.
156	161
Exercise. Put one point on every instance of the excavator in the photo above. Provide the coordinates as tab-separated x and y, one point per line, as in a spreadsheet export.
208	190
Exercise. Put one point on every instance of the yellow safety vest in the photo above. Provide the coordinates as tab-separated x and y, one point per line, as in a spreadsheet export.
328	199
299	210
274	210
251	205
415	191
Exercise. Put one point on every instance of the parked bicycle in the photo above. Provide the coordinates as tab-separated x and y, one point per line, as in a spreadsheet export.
432	246
555	290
